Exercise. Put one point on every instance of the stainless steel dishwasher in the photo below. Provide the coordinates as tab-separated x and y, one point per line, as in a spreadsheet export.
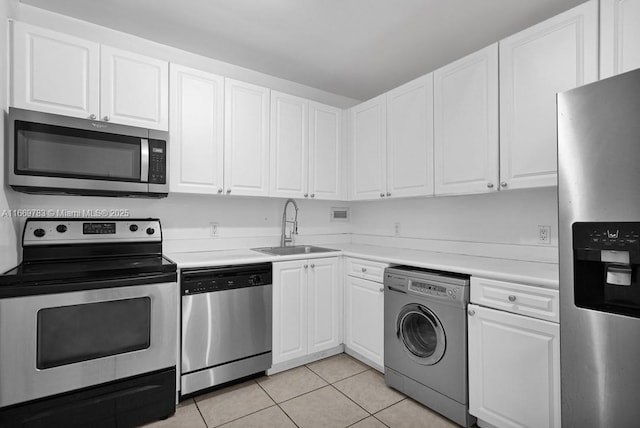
226	324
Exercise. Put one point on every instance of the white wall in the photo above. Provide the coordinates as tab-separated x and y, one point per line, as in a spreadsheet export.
503	224
243	222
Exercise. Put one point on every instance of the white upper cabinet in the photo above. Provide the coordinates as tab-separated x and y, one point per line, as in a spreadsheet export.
466	124
134	89
196	131
306	148
289	145
55	73
326	152
558	54
58	73
392	143
246	139
368	149
410	138
619	36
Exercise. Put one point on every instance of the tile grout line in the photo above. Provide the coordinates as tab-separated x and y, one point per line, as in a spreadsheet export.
200	412
390	405
377	419
370	414
339	380
287	415
295	396
278	404
248	414
349	398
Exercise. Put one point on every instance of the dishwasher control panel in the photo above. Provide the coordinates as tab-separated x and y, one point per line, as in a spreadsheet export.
211	280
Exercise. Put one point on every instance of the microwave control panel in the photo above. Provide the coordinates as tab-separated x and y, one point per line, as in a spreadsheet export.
157	162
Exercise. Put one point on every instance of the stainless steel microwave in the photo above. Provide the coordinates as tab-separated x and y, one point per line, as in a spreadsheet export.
54	154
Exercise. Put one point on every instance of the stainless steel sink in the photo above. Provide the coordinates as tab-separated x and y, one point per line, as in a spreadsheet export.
295	249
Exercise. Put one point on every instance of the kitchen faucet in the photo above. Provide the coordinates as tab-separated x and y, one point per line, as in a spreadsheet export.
284	239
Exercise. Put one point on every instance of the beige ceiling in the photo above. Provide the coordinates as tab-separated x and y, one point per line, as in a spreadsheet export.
355	48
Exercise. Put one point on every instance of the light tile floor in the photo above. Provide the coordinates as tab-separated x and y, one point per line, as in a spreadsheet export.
336	392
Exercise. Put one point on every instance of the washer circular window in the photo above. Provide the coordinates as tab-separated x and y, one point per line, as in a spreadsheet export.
421	333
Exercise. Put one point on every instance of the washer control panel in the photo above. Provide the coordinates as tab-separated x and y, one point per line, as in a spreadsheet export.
439	286
427	289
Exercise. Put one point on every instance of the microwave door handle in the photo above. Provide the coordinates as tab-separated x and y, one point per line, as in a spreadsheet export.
144	160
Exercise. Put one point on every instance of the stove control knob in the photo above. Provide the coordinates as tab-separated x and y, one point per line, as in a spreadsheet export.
150	231
39	232
133	227
61	228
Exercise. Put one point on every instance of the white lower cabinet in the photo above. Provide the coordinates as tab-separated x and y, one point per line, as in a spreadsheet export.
307	307
364	318
514	368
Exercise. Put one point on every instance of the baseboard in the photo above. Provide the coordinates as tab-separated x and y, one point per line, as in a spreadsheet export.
484	424
363	359
286	365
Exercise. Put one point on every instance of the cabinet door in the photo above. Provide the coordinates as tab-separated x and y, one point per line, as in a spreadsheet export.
368	149
514	369
619	36
196	131
364	318
289	146
325	304
325	152
289	310
246	139
410	138
134	89
55	73
466	124
535	64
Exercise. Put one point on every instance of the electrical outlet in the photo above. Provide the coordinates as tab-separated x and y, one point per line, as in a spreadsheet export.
213	230
396	229
544	234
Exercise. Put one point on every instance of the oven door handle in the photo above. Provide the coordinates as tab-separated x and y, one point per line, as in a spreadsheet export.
39	288
144	160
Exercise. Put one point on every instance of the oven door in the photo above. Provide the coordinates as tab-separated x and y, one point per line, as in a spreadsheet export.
55	343
69	154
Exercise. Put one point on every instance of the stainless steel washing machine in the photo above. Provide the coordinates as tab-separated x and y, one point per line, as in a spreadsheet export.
425	338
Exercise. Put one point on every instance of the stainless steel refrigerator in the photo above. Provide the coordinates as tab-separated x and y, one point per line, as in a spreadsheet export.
599	243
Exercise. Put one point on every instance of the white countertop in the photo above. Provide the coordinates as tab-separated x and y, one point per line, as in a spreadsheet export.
533	273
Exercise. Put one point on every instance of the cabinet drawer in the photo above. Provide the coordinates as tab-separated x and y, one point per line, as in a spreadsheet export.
366	269
536	302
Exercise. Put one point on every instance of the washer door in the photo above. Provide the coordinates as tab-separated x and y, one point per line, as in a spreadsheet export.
421	334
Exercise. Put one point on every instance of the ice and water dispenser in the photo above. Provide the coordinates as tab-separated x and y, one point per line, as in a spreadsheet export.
607	267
